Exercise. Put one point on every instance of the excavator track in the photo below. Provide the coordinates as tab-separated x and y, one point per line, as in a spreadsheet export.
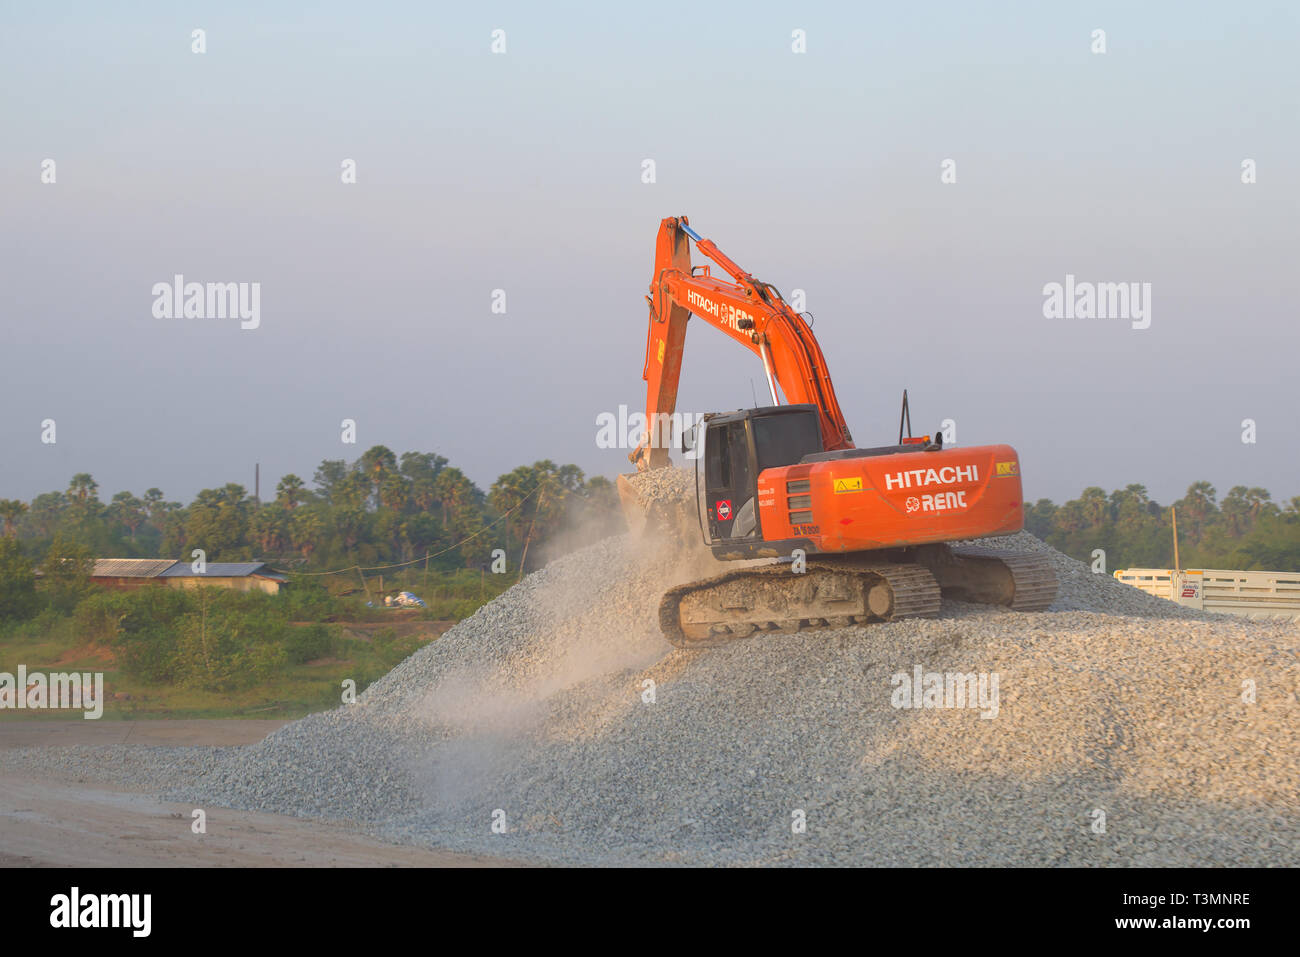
835	592
1021	581
830	593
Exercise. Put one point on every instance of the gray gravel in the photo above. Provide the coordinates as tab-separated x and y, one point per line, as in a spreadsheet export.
1112	702
670	485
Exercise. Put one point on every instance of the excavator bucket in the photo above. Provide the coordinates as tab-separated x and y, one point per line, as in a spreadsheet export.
634	511
654	507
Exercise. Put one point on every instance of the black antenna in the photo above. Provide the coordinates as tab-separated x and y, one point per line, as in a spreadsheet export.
904	416
754	393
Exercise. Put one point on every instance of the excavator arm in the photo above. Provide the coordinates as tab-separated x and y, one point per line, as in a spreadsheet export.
749	311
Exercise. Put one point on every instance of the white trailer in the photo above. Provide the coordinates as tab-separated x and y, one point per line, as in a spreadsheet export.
1273	595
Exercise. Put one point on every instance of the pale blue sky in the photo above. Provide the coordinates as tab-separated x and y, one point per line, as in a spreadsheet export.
817	171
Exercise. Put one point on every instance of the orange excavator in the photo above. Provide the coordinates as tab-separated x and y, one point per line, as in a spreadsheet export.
859	535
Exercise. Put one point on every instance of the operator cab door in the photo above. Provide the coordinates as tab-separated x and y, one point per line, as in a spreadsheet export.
737	449
730	481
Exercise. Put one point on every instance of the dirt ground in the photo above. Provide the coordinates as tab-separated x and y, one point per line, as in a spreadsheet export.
49	821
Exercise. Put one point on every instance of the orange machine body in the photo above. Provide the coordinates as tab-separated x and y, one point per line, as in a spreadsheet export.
896	500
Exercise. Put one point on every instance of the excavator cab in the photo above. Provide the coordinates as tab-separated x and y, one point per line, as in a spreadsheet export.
740	445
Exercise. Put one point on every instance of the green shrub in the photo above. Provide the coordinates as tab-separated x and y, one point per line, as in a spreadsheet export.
308	642
144	638
17	582
393	647
65	573
227	644
99	616
48	623
309	600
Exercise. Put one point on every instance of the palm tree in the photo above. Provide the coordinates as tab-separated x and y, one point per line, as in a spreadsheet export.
1235	509
1198	505
394	493
422	465
1095	506
1130	506
1261	503
232	494
153	504
305	530
1070	517
290	491
128	510
267	528
454	492
329	474
424	493
83	488
375	463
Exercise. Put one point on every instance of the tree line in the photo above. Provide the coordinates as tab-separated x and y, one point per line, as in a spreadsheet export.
379	509
1246	529
385	509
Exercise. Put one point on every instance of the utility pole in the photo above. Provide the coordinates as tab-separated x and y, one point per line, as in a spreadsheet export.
1173	512
541	497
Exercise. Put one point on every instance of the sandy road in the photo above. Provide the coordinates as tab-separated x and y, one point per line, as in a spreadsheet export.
47	820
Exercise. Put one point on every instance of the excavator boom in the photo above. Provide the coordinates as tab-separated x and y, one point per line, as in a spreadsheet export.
751	312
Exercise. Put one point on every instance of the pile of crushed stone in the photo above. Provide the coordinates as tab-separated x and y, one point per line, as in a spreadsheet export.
557	725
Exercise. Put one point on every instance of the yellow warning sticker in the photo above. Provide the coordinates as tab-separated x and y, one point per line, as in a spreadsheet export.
1007	468
848	485
662	343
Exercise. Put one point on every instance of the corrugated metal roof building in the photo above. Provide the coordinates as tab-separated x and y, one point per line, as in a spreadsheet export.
242	576
129	572
169	573
131	567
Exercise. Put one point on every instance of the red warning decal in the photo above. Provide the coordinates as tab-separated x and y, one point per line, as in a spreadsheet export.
724	508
